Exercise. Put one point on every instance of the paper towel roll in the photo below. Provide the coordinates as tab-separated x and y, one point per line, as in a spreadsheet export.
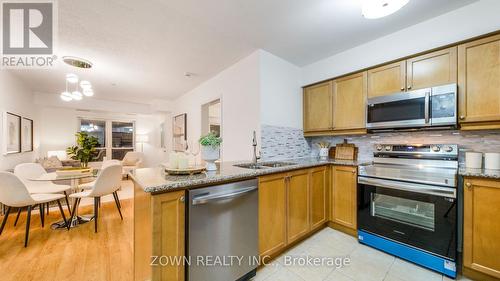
492	161
474	160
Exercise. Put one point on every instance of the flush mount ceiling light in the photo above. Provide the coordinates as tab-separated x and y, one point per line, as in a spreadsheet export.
71	78
77	62
374	9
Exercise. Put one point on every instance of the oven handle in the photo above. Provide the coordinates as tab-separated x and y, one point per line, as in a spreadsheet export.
412	187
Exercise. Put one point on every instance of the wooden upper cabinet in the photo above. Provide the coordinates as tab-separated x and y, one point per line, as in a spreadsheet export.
349	101
272	214
298	205
318	107
479	83
344	186
318	193
432	69
387	79
482	226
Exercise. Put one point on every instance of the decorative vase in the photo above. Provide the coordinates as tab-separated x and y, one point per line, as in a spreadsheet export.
323	152
210	154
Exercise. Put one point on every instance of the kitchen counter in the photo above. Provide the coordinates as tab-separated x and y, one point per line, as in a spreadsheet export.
479	173
154	180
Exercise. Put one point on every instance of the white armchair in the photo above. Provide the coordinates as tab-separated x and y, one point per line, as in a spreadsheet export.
132	160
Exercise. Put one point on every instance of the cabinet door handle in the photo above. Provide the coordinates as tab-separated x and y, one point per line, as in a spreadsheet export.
469	185
402	88
353	171
409	87
182	199
462	117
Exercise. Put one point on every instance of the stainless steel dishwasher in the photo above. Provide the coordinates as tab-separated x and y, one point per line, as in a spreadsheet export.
223	232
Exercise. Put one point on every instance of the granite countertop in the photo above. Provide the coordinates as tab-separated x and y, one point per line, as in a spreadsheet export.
480	173
154	180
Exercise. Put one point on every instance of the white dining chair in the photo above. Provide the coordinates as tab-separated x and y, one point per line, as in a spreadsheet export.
28	171
105	163
108	182
14	194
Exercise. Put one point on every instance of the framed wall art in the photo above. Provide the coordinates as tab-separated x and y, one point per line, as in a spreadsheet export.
12	133
27	134
179	128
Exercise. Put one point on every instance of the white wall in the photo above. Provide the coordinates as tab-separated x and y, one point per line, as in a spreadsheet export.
238	88
16	98
59	125
281	93
469	21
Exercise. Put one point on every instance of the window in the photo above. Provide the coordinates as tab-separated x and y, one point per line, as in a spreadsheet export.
121	134
123	139
96	128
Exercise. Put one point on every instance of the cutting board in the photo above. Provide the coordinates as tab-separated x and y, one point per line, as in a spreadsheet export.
344	151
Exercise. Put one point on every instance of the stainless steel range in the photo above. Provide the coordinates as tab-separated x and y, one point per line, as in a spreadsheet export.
407	203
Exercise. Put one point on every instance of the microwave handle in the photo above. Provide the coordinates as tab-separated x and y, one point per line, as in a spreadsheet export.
427	107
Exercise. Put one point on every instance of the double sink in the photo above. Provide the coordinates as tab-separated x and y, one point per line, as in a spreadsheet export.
265	165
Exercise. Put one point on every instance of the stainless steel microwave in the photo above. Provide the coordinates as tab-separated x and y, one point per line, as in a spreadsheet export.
424	108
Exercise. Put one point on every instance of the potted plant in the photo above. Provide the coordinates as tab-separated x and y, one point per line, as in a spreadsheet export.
84	149
210	150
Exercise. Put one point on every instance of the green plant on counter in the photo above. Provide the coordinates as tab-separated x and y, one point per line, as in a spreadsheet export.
84	149
210	140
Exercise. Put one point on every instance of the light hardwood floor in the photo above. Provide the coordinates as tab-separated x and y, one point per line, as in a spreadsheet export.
78	254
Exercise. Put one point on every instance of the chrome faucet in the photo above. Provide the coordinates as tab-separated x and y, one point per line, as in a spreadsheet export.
254	144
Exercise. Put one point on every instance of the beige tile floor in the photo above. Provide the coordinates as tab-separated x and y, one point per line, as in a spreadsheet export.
366	264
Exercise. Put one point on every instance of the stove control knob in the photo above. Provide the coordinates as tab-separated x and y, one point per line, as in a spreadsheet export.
448	148
379	147
387	148
435	148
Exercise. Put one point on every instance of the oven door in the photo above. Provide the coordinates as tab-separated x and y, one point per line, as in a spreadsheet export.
403	110
422	216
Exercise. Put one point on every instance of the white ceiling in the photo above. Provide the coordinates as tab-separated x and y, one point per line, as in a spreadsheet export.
141	49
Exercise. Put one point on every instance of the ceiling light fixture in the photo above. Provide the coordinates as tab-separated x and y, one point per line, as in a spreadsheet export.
374	9
66	96
76	95
77	62
75	91
88	92
71	78
85	84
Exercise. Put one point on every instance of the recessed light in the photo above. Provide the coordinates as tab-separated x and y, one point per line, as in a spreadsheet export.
71	78
77	62
374	9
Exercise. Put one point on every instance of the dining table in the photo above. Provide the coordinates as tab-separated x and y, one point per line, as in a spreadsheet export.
74	183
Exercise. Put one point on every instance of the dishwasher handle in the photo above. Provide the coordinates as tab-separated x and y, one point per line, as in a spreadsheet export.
205	199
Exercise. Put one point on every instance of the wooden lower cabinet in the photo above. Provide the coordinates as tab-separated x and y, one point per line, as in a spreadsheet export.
159	230
343	190
481	240
318	194
272	214
297	205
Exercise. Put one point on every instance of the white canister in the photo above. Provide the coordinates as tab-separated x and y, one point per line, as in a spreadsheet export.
323	152
474	160
492	161
172	161
182	162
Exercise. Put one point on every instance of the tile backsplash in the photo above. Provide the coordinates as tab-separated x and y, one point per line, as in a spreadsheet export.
284	142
